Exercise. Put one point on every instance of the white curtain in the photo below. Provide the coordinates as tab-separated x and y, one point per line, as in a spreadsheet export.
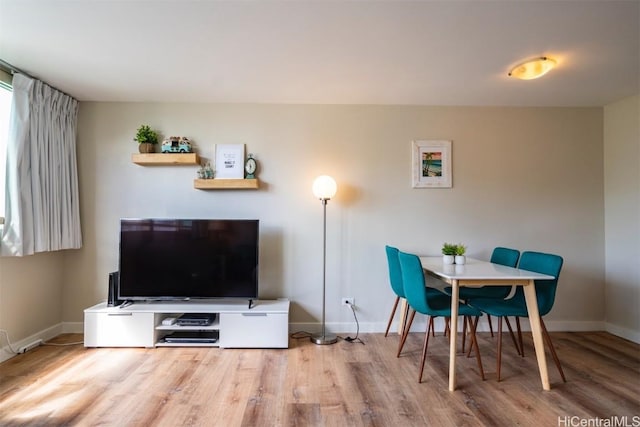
42	209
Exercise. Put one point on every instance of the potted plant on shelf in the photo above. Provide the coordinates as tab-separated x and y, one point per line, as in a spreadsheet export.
448	253
460	251
147	139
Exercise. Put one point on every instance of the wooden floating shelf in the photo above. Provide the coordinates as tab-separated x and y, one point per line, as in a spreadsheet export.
165	159
226	184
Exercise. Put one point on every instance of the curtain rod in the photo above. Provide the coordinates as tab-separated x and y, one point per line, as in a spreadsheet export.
5	66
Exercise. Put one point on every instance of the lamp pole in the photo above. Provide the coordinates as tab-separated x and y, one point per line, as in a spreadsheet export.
324	338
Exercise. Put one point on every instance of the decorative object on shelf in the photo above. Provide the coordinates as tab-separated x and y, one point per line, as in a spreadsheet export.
431	164
205	171
460	251
324	188
147	139
176	144
250	167
230	161
448	253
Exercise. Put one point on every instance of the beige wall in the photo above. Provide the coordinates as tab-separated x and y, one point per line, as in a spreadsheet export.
30	297
622	216
529	178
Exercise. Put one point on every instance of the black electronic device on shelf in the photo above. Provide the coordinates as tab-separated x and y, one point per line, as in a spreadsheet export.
182	259
112	293
191	337
196	319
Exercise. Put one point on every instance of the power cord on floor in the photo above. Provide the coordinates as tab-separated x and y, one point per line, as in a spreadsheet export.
300	335
14	351
354	339
6	334
55	344
304	334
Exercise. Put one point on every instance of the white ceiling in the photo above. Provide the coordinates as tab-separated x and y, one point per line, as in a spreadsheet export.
329	52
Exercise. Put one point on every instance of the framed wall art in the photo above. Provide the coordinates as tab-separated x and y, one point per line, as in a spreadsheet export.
432	164
229	161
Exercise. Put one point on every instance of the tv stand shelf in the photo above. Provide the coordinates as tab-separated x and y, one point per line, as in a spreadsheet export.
265	325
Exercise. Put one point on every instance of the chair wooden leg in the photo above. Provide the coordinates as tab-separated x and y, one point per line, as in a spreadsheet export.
513	337
432	326
446	326
424	348
406	332
499	350
474	343
464	332
475	328
520	336
393	312
490	324
405	316
547	337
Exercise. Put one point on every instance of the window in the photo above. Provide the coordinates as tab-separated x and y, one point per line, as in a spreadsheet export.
5	110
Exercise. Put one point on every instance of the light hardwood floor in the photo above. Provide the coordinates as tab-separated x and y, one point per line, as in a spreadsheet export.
345	384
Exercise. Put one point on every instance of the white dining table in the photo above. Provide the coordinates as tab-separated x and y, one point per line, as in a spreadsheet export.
475	273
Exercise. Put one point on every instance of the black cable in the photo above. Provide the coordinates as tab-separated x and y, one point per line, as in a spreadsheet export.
300	335
355	339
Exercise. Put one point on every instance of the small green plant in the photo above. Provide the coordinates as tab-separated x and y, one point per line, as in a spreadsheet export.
146	134
461	249
449	249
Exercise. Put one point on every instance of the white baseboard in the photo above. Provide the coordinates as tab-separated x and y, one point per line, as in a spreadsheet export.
419	325
622	332
350	328
44	335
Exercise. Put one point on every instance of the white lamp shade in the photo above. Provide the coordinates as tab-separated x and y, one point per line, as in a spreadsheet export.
324	187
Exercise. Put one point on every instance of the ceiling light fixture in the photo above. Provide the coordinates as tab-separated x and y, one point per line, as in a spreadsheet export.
533	69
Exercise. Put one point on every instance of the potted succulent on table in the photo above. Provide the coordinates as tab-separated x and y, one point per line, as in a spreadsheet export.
448	253
147	139
460	251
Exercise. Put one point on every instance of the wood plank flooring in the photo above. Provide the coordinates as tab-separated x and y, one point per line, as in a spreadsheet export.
345	384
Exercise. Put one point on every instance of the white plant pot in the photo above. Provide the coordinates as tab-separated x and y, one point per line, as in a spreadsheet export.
448	259
460	259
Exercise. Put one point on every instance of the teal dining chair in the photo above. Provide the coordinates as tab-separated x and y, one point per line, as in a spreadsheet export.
516	306
430	304
503	256
395	279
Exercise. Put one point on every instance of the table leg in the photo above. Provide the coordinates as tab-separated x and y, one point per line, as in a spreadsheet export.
536	332
453	332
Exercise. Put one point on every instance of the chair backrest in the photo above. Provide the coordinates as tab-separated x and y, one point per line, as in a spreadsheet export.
545	289
505	256
415	290
395	274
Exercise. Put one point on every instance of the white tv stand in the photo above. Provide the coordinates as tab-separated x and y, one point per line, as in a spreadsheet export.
265	325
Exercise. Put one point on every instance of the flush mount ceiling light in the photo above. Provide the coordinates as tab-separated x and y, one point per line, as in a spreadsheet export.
533	69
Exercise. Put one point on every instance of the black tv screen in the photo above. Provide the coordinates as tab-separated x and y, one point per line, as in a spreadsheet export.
166	259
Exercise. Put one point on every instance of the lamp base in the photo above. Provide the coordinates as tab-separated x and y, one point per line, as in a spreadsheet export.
324	339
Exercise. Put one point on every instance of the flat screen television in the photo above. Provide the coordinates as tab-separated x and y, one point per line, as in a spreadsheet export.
177	259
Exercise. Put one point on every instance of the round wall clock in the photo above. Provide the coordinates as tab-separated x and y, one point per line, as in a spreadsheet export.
250	167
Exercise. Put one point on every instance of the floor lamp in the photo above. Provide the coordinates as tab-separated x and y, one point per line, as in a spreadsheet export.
324	188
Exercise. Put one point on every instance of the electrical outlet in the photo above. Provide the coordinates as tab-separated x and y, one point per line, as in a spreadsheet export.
348	301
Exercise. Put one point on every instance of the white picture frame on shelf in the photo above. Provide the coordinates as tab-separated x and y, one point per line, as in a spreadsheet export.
229	161
431	164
